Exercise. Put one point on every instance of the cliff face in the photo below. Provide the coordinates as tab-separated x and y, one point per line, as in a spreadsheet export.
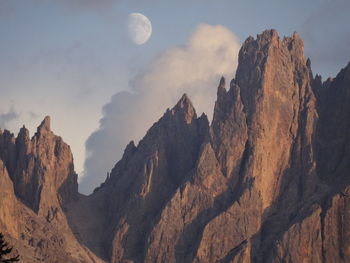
266	181
36	178
257	190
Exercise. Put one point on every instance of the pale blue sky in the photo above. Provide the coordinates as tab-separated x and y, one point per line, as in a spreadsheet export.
66	58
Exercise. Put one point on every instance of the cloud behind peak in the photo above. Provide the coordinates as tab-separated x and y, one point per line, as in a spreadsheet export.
194	68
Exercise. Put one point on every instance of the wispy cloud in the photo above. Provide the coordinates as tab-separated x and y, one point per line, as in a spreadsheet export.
7	117
194	68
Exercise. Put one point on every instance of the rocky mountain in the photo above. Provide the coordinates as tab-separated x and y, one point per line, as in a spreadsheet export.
266	181
36	179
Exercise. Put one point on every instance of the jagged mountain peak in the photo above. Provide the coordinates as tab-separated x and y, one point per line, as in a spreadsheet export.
185	108
268	35
23	133
221	87
45	125
267	181
222	82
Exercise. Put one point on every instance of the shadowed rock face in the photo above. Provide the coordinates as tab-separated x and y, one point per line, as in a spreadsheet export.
267	181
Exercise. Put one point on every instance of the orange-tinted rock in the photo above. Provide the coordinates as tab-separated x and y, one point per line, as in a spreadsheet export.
267	181
36	179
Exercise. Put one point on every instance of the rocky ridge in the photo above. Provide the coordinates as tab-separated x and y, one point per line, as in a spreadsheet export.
266	181
36	179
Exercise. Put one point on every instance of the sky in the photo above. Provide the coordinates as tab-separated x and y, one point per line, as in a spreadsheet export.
73	60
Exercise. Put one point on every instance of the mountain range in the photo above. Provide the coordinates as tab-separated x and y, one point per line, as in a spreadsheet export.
266	181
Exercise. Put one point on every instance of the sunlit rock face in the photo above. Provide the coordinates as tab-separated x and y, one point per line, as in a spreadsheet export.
37	179
266	181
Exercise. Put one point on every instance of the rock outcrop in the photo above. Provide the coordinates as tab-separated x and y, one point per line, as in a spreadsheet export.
36	179
266	181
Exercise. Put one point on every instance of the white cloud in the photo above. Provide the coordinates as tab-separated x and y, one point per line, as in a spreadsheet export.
7	117
194	68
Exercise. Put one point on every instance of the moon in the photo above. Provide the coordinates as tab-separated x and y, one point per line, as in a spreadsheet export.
139	28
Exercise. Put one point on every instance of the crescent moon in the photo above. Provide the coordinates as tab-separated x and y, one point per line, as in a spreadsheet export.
139	28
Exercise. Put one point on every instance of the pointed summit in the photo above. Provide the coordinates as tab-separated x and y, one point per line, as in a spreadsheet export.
221	91
23	135
222	81
296	36
184	102
45	125
185	107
